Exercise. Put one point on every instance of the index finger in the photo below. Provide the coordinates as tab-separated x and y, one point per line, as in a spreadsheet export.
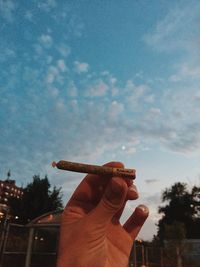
89	192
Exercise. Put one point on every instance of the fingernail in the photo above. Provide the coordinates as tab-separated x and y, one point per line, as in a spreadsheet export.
133	189
143	208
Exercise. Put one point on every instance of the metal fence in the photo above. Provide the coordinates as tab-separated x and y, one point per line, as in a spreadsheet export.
36	246
146	256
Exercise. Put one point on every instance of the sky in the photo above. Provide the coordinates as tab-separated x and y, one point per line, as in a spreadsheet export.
99	81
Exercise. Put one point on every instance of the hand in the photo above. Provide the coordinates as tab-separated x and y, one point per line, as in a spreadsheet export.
91	234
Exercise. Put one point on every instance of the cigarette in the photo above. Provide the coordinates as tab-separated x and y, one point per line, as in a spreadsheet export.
94	169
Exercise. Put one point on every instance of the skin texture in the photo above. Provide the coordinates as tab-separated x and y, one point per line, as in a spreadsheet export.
91	234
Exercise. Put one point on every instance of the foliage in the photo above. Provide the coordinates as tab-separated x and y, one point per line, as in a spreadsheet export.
183	206
38	199
176	231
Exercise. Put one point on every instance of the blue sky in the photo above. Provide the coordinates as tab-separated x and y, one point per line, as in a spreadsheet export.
96	81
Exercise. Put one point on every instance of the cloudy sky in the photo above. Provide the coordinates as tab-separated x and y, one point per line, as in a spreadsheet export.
96	81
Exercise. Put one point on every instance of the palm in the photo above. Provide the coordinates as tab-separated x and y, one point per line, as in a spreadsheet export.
119	244
111	249
91	234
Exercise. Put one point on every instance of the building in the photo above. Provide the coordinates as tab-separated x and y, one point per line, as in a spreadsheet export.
8	189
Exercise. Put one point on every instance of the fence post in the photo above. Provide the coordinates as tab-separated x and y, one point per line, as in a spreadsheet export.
29	247
147	257
143	255
134	255
161	258
5	241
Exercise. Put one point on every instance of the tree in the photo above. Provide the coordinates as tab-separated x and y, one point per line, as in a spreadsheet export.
183	206
38	198
175	235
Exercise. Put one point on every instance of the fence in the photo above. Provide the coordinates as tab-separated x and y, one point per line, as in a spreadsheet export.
29	246
146	256
36	246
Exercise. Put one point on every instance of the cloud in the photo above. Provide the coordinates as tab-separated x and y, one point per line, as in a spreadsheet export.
137	91
59	114
56	73
81	67
28	15
150	98
61	65
135	95
151	181
97	89
60	106
75	26
115	109
53	91
181	103
185	140
72	89
179	29
129	149
176	118
64	50
46	40
155	111
6	53
52	74
185	71
7	8
47	5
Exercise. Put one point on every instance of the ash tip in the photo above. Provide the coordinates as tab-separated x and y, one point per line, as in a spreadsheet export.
54	164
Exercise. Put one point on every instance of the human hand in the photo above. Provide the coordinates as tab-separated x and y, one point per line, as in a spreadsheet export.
91	234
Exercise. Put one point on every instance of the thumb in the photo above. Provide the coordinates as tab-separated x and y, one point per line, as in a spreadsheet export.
112	200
